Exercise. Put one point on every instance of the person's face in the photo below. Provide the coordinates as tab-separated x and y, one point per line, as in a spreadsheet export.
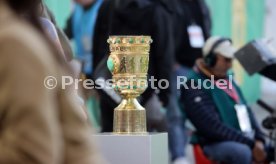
84	2
222	66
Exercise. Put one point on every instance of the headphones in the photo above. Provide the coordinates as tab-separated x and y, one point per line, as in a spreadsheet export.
211	58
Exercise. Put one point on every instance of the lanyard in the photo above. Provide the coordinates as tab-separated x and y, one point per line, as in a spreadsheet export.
231	91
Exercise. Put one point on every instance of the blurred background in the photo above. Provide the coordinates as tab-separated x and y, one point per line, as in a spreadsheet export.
241	20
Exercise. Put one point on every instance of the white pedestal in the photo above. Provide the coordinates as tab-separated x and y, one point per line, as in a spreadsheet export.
134	149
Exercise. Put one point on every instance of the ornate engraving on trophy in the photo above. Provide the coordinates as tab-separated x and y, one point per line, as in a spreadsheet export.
128	63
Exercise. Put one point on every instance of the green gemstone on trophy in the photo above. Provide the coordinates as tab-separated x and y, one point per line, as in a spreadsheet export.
132	87
116	88
131	40
118	40
110	64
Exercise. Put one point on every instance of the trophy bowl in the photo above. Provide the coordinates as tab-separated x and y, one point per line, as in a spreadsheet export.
128	63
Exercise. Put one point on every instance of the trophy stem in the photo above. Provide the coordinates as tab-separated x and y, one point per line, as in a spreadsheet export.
129	118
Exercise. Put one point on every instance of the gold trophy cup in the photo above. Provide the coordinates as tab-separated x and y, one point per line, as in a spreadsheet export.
128	63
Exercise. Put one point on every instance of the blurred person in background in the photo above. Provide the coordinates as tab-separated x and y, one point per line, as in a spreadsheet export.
62	43
137	17
226	128
80	27
192	26
63	40
51	32
37	125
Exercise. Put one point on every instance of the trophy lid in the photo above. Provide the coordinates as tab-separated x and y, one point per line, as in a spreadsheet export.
128	39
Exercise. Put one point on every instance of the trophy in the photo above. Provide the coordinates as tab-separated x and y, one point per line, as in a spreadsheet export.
128	63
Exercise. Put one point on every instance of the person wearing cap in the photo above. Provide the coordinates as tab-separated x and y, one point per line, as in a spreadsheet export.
226	128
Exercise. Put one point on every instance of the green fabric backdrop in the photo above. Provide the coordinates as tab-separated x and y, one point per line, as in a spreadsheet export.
61	10
222	14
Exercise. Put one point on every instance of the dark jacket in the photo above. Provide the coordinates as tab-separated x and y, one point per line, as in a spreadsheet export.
185	13
205	117
138	17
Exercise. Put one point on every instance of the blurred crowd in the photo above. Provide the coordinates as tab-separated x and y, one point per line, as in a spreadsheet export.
38	125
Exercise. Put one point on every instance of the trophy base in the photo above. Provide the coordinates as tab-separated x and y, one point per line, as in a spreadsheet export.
129	118
134	149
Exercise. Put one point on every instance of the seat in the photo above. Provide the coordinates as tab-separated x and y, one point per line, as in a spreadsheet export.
200	158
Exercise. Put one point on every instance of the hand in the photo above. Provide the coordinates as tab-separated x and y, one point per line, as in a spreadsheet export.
259	153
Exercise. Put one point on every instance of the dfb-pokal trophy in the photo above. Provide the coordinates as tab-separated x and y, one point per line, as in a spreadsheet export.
128	63
130	143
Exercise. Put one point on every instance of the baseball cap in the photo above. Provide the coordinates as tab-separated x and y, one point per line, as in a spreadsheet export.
224	48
